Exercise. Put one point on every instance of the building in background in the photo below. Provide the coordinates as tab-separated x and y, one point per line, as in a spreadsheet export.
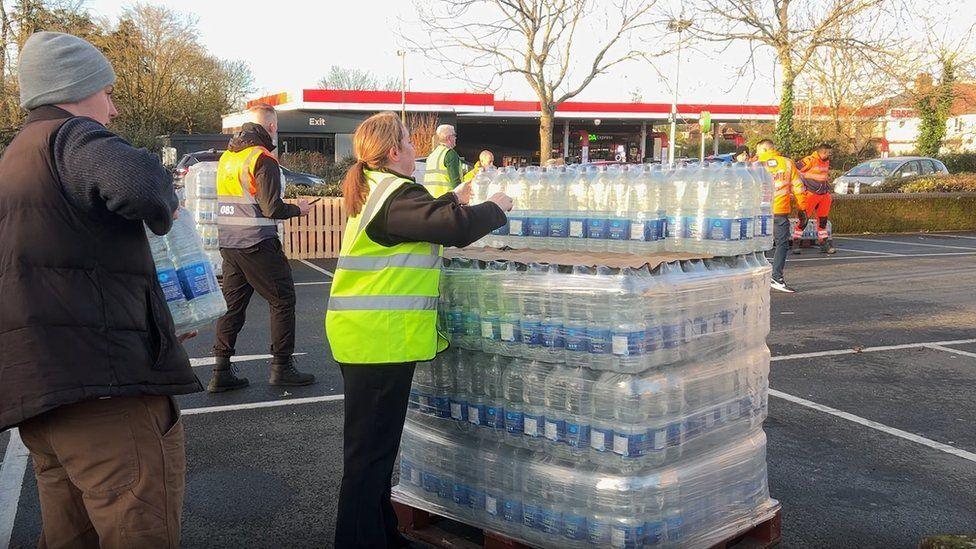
324	121
900	122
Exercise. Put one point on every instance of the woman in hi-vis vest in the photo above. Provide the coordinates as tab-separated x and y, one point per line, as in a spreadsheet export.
382	315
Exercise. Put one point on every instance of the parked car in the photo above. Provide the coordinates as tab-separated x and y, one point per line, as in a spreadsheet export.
874	172
299	178
289	177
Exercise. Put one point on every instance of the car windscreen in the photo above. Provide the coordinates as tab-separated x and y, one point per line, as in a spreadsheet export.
875	168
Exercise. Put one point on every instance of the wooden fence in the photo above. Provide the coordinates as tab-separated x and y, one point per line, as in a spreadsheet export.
317	236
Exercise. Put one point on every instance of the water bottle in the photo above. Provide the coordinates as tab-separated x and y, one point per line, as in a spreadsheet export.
764	225
606	282
531	297
556	395
672	198
195	272
657	207
169	281
627	327
603	418
459	398
553	333
518	217
692	209
598	214
494	394
422	388
637	204
577	207
747	208
513	392
575	304
477	403
537	208
534	417
498	183
672	312
468	278
558	179
509	321
495	475
489	284
441	369
578	412
618	225
720	210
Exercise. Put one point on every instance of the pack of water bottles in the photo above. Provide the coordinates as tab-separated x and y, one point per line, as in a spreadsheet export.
550	501
715	209
200	188
186	274
624	319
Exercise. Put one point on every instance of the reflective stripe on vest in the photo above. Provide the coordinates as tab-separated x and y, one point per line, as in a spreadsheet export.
815	173
240	220
437	180
383	300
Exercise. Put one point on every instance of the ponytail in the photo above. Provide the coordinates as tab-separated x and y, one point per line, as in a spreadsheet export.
371	143
355	189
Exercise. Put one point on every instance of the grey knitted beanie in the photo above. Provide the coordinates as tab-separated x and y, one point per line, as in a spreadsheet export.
60	68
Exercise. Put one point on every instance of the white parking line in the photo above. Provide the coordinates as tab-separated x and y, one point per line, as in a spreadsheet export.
330	274
948	235
903	243
949	350
930	344
210	361
875	425
263	404
846	249
11	482
909	256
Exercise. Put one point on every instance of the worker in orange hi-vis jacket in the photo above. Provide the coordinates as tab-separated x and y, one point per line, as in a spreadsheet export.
815	171
786	184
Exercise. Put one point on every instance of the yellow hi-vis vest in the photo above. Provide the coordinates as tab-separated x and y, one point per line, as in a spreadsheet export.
436	179
240	222
383	302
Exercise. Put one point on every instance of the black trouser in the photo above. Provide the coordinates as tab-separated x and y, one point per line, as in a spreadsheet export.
375	408
264	268
781	240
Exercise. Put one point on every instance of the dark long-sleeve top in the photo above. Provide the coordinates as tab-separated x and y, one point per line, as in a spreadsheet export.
101	173
267	173
411	214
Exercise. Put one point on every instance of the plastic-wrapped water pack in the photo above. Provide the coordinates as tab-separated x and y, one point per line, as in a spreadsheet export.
201	201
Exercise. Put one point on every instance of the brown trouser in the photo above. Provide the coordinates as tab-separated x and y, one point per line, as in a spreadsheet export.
110	472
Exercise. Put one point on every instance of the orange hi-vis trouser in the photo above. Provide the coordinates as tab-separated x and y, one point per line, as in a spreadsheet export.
817	207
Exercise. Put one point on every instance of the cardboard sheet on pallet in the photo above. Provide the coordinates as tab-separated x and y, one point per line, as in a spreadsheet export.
607	259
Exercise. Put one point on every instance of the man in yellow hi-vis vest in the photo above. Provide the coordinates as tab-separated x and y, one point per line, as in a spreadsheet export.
249	200
443	170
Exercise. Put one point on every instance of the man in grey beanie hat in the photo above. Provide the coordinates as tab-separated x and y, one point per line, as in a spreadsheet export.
91	360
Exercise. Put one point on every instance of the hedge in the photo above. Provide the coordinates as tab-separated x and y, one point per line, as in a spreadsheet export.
893	213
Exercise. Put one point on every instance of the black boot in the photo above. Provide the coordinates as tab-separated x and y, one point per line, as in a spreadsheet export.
224	377
284	373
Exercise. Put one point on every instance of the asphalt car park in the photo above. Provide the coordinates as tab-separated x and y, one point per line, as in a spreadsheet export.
871	416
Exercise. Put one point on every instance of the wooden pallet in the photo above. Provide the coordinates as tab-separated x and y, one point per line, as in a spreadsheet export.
447	533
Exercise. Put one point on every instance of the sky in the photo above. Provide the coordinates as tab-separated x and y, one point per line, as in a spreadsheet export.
292	43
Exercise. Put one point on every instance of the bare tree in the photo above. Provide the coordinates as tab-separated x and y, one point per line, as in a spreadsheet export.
423	132
483	41
796	31
342	78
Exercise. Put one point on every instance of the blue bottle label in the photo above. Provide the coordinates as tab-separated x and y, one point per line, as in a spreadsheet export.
574	527
532	516
533	424
676	434
558	227
531	332
512	510
654	532
472	324
653	339
476	497
459	410
459	494
597	228
598	532
490	328
630	445
661	229
555	430
671	227
766	221
577	227
496	417
170	282
414	401
672	335
552	336
627	343
675	526
445	488
551	521
618	229
538	227
426	403
720	229
442	407
599	339
576	340
493	504
601	440
746	228
502	231
430	482
197	280
509	331
518	226
692	227
577	435
455	321
514	422
657	439
626	537
476	414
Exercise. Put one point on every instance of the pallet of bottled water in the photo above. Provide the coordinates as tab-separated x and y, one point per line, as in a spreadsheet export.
186	275
709	209
200	188
624	319
549	501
